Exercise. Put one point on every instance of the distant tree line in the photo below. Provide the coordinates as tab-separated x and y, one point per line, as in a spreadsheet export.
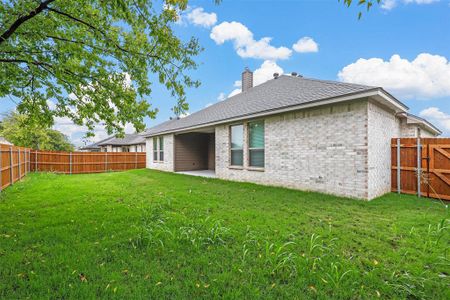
17	129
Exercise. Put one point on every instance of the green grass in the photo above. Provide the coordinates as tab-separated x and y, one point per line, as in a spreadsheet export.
148	234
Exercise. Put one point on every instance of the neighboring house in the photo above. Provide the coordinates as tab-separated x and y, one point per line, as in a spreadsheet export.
5	141
129	143
95	146
295	132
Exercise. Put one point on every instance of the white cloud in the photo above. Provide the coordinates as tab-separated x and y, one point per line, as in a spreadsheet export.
245	44
305	45
437	117
208	104
390	4
234	92
427	76
76	133
221	97
265	72
262	74
201	18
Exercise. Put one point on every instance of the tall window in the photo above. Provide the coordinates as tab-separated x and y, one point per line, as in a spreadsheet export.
161	148
237	145
256	144
155	149
158	149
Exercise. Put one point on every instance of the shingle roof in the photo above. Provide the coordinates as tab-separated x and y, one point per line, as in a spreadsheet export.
128	139
96	144
283	92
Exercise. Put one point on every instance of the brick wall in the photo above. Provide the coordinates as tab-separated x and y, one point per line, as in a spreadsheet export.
382	126
322	149
167	164
407	130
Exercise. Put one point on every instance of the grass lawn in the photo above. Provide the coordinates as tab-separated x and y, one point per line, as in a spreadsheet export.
148	234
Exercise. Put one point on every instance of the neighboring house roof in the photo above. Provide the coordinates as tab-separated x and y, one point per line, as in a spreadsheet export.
96	144
4	141
413	119
128	139
282	94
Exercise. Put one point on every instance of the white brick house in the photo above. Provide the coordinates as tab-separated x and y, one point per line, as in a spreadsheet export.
294	132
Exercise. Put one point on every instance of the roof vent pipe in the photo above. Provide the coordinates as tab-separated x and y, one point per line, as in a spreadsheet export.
276	75
294	74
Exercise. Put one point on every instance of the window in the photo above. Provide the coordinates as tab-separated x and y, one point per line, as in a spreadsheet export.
161	148
237	144
155	149
256	144
158	148
125	149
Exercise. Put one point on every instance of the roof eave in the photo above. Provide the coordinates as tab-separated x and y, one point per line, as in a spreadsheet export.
412	119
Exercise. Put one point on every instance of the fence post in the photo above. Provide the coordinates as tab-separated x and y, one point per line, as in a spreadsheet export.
106	161
398	167
35	161
419	163
70	162
135	159
1	167
11	180
19	171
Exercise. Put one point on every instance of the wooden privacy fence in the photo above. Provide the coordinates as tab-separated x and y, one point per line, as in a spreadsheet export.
85	162
421	166
16	162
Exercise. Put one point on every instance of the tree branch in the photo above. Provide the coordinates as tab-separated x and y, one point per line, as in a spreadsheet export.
23	19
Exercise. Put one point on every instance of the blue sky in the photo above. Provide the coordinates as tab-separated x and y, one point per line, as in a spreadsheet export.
403	46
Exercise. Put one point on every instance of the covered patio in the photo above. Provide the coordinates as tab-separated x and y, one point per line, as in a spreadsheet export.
200	173
194	153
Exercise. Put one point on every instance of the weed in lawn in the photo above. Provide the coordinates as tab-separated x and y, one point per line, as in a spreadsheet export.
335	274
280	260
435	234
205	232
153	228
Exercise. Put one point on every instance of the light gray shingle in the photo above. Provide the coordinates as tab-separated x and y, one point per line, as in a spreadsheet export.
285	91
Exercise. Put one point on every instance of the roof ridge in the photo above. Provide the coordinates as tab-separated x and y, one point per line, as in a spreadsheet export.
332	81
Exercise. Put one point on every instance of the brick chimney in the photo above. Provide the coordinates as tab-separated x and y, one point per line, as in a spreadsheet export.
247	80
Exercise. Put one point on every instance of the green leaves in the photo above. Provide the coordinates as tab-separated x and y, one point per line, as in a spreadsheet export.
26	132
367	3
93	59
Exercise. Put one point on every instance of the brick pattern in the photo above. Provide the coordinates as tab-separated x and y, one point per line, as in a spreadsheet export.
321	149
167	164
340	149
382	126
407	130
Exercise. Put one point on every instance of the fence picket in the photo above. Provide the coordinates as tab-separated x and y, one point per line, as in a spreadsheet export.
425	167
11	179
63	162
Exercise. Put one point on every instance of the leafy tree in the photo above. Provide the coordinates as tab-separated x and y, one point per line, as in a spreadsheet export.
16	129
93	59
363	3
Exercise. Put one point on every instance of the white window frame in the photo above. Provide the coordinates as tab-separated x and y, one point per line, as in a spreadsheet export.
249	149
159	151
237	149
